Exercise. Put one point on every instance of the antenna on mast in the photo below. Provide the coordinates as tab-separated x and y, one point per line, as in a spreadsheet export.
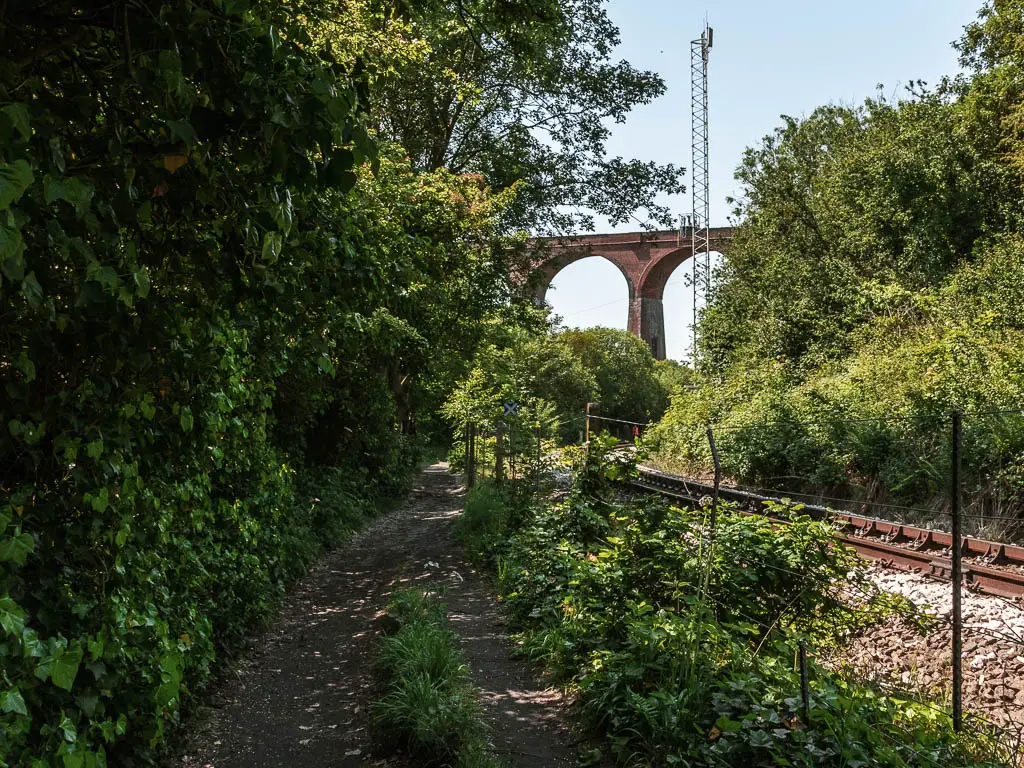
701	214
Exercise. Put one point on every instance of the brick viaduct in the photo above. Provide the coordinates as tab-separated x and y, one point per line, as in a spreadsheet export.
645	259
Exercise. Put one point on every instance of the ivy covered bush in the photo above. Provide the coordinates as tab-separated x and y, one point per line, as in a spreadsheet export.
213	334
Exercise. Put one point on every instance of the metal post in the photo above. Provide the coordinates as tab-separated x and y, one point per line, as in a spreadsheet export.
471	455
718	476
805	686
955	490
499	453
700	49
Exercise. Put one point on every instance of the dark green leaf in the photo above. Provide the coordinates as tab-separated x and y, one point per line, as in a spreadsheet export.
16	548
32	289
64	667
13	701
18	116
12	617
183	131
15	178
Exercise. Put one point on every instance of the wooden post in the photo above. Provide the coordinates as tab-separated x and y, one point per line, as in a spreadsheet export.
499	453
718	477
537	471
470	455
593	409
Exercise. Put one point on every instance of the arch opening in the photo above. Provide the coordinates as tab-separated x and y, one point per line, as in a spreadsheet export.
589	292
677	298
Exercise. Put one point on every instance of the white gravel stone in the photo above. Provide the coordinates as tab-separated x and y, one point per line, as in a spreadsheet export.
993	639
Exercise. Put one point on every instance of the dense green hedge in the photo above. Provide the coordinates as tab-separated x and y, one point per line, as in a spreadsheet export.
213	320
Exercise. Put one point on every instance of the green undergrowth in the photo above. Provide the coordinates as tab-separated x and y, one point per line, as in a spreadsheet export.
428	707
679	641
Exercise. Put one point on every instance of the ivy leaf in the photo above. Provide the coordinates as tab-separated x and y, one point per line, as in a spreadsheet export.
183	130
33	290
15	178
13	701
88	703
16	548
760	739
326	365
26	366
70	734
170	675
339	169
33	648
65	667
142	283
235	7
12	616
186	420
272	242
17	114
71	190
11	247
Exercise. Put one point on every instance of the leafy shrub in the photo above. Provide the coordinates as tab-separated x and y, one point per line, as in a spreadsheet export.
428	706
680	640
484	518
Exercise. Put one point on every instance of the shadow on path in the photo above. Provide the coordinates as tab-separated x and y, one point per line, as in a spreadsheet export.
301	697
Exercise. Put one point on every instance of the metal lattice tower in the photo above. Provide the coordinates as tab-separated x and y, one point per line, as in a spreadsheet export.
700	221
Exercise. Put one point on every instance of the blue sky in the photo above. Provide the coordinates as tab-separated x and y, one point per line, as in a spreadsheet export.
784	57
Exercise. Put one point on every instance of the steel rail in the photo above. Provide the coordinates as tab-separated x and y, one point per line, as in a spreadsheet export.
991	567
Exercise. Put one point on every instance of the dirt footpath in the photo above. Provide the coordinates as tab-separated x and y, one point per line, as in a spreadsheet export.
301	697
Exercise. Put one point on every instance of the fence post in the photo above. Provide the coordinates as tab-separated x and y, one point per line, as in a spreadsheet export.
593	409
718	476
955	497
499	452
536	430
470	455
511	451
805	685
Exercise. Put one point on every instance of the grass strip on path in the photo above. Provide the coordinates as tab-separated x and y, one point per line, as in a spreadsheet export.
428	707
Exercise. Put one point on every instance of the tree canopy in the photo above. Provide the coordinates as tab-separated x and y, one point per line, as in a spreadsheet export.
523	93
876	273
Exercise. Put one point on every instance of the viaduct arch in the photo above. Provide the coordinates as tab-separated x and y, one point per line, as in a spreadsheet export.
645	259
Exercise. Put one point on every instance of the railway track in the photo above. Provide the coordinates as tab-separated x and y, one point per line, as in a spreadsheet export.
989	567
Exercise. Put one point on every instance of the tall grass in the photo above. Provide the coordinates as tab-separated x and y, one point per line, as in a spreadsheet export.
428	707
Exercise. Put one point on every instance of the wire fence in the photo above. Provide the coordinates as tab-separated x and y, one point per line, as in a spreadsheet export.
957	475
967	661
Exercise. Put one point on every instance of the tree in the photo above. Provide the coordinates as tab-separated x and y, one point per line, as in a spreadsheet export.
627	383
522	93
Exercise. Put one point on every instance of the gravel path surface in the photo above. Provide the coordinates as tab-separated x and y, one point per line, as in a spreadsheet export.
301	697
